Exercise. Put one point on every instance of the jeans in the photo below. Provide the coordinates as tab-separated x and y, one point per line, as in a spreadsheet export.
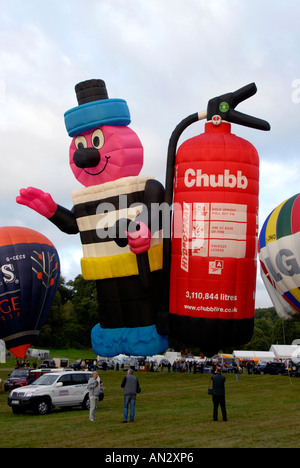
129	399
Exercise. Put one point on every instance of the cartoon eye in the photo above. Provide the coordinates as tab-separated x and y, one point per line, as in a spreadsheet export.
98	139
80	142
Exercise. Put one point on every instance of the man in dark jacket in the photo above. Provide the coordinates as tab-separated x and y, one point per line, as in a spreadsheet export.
218	394
131	387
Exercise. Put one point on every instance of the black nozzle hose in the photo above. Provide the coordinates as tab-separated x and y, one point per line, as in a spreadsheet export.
169	184
225	104
121	240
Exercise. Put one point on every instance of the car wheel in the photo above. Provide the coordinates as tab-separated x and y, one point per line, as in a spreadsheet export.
86	403
42	407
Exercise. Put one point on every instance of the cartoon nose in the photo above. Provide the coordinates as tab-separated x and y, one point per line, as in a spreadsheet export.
86	157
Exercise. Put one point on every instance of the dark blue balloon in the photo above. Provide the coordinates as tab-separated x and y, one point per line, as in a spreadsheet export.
29	277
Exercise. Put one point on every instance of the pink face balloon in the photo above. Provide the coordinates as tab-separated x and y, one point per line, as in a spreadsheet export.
105	154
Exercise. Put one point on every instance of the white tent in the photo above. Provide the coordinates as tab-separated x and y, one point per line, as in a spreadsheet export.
2	352
121	359
285	352
38	353
249	355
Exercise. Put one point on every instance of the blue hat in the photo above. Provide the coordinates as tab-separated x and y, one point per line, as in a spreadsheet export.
95	109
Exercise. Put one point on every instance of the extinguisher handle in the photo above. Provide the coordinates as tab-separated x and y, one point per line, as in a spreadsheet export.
247	120
243	93
224	106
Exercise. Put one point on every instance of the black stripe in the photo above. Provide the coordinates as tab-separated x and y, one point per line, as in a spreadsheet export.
96	236
109	204
123	302
21	340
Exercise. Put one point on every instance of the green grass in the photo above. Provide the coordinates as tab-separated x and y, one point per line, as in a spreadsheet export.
173	411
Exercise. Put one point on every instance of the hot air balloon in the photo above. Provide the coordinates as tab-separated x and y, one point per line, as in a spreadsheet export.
210	263
29	276
120	236
279	255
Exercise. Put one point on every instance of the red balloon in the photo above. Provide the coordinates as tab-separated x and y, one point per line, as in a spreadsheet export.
213	266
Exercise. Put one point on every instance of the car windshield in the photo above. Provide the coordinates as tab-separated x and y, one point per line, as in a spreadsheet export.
47	379
19	373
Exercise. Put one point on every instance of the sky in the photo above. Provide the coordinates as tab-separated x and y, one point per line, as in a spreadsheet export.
166	59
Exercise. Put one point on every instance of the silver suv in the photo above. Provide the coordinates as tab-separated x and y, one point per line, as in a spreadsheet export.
56	389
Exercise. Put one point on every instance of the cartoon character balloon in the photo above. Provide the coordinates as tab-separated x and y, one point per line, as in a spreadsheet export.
121	239
29	276
279	254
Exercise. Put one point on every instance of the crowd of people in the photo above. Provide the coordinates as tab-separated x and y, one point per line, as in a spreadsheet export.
24	363
131	388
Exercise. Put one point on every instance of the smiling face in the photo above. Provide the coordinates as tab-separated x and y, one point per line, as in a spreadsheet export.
105	154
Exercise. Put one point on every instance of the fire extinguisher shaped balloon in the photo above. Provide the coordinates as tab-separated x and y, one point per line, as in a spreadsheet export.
212	183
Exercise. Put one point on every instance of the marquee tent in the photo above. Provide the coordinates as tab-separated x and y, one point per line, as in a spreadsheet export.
285	352
254	355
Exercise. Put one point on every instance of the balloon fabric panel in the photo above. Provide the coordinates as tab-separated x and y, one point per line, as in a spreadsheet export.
120	156
279	254
28	283
213	268
106	157
284	225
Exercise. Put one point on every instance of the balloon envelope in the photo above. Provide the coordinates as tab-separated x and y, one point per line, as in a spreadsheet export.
279	255
29	276
214	244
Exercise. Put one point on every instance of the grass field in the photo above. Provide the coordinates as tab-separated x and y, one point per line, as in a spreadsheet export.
173	411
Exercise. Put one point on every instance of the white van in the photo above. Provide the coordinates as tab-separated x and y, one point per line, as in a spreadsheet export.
55	389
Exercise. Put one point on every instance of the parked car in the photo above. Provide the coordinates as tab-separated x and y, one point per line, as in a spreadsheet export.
85	363
273	368
230	369
34	374
256	368
16	379
92	364
47	364
53	389
294	369
105	365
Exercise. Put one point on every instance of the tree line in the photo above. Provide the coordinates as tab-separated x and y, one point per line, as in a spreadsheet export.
74	313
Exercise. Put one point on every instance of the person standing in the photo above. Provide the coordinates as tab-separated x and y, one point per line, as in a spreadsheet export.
218	394
95	387
131	387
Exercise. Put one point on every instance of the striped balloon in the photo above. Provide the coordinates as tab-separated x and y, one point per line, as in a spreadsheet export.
29	276
279	255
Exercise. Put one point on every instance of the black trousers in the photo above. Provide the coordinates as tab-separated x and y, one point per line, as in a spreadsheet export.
219	400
